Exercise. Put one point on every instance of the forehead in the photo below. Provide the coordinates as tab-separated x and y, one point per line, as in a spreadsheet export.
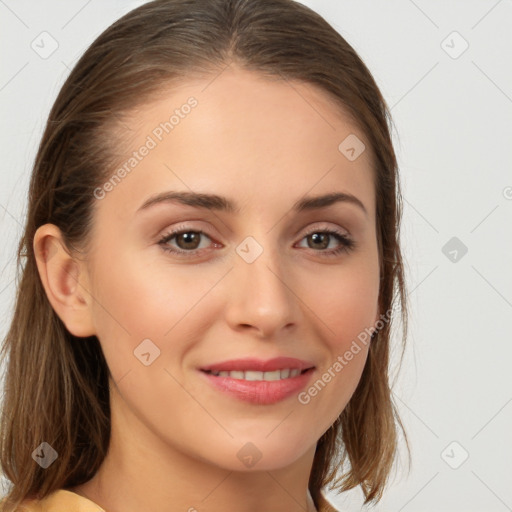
250	137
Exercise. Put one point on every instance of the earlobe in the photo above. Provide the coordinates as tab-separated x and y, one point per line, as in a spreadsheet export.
64	280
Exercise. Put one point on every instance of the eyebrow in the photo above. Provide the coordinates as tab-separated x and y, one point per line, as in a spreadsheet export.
220	203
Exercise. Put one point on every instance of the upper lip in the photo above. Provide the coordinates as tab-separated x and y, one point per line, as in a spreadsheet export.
252	364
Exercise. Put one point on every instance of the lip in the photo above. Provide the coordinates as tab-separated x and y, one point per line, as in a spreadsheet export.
259	365
259	392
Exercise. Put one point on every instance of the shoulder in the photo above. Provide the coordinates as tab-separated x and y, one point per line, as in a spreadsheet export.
60	501
66	501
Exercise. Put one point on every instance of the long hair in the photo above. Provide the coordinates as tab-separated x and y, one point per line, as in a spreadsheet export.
56	385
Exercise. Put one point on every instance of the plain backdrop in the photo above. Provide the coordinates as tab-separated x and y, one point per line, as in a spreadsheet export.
444	68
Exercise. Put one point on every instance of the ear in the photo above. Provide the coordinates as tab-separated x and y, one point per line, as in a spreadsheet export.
65	281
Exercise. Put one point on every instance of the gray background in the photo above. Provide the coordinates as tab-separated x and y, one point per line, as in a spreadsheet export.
452	109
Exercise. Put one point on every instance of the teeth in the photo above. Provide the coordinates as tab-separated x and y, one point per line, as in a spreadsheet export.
286	373
275	375
251	375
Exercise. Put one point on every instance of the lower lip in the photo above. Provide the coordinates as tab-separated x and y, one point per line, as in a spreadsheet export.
260	392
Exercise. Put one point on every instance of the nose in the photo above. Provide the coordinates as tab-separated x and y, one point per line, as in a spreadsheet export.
261	296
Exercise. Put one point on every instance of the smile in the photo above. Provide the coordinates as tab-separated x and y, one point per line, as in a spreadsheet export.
259	388
286	373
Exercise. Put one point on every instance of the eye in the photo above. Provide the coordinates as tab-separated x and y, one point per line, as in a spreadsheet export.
188	241
320	238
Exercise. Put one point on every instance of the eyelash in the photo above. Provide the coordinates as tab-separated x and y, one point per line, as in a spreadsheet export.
347	244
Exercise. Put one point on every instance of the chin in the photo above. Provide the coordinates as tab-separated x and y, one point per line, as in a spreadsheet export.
262	453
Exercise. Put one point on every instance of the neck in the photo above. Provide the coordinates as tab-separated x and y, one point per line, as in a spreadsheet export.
141	472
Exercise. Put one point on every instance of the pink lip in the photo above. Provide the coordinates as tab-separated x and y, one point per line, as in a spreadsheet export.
260	392
278	363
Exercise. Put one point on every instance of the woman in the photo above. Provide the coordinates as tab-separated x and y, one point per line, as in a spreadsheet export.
212	254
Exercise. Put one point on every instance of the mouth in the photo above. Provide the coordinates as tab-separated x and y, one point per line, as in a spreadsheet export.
259	382
251	364
252	375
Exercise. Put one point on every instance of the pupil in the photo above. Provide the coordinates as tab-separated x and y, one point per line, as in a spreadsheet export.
317	237
189	239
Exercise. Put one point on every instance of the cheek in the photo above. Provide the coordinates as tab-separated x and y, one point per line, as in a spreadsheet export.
346	305
135	301
346	301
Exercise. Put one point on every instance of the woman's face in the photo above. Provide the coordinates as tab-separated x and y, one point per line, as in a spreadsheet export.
255	281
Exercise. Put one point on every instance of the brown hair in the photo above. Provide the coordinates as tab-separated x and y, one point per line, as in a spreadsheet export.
56	385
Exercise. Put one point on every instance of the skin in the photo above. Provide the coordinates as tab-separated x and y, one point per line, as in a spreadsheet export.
264	144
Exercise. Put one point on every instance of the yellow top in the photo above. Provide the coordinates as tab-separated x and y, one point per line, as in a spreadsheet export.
67	501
